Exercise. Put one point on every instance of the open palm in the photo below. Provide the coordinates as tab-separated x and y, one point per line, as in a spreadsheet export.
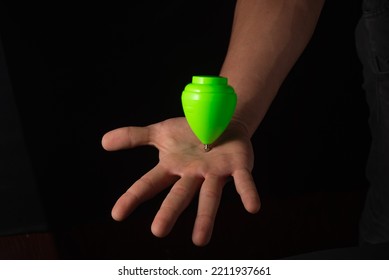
184	165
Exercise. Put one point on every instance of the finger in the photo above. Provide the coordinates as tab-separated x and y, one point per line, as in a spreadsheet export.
153	182
247	190
175	203
126	137
209	200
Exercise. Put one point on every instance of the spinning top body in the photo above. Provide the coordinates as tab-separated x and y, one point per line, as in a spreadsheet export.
208	103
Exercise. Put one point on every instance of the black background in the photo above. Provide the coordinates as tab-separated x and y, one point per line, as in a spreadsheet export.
80	71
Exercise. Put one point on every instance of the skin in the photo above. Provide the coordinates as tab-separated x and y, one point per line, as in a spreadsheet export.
183	163
267	38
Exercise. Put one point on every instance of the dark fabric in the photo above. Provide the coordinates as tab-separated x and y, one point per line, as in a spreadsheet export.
20	205
372	38
372	6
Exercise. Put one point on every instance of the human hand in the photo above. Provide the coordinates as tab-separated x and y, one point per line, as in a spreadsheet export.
184	165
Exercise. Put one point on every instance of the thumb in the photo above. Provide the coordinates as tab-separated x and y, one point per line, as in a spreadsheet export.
126	138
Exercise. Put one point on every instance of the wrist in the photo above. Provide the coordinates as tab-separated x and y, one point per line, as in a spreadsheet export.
254	97
241	126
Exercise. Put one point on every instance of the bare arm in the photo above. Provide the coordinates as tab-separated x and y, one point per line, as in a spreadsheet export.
267	38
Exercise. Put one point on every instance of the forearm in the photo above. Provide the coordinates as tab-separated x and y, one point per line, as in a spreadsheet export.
267	38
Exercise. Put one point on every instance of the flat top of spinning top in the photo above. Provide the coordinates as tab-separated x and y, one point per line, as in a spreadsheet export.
207	84
209	80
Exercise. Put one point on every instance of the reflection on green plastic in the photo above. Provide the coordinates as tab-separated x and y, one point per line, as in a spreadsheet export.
208	103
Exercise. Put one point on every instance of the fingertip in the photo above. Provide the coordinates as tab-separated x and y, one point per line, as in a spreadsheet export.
116	216
159	230
157	233
254	206
200	239
202	233
122	209
247	190
109	141
104	141
251	202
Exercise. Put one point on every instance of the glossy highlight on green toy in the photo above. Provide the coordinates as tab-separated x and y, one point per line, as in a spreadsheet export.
208	103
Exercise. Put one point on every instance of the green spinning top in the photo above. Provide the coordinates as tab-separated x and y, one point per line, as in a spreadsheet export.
208	103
